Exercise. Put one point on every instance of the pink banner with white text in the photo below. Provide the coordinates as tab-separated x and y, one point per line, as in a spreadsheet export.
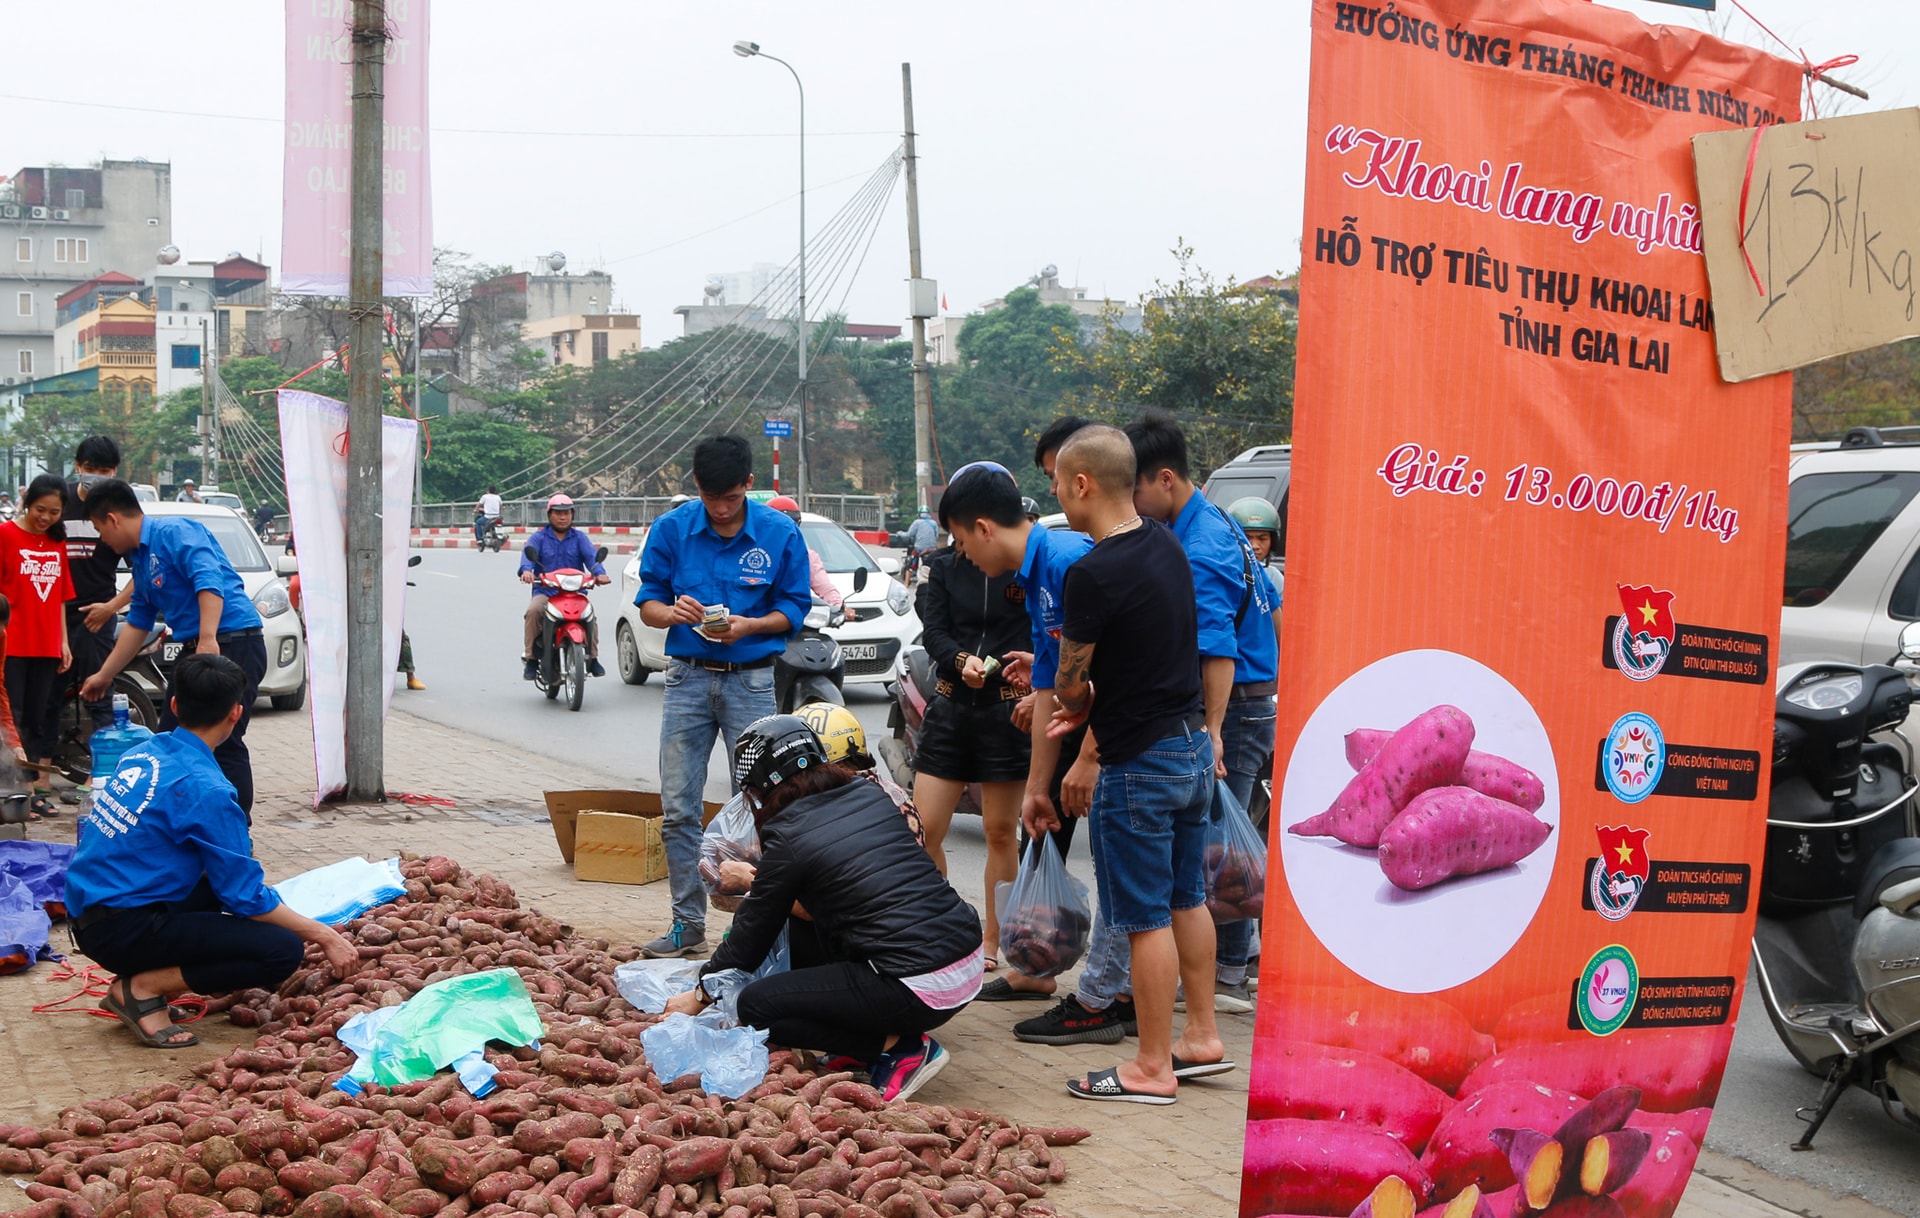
318	182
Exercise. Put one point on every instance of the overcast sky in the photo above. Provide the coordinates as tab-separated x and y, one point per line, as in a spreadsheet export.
1089	136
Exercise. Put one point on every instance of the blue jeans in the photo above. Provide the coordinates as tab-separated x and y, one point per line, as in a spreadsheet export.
1148	828
1247	740
700	704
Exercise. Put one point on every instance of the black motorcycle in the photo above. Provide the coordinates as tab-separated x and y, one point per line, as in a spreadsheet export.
492	535
812	668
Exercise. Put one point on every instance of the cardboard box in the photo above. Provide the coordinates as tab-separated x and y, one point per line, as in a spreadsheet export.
612	836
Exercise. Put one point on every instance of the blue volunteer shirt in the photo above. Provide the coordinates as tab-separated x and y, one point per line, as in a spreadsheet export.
1259	657
1043	577
762	569
165	818
178	559
1215	549
574	552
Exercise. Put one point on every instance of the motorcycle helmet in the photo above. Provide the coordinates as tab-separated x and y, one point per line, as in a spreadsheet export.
1253	512
1030	507
560	503
782	503
841	735
774	749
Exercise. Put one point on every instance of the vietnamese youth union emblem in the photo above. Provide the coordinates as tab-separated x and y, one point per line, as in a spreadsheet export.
1643	638
1634	757
1620	875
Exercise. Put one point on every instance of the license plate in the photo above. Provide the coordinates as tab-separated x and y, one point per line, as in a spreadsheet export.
169	652
861	651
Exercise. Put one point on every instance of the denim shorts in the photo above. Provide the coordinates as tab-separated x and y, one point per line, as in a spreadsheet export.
1149	828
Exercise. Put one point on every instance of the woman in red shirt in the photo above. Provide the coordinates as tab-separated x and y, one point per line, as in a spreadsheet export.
34	579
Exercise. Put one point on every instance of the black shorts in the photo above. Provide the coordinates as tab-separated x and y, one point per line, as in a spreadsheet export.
968	742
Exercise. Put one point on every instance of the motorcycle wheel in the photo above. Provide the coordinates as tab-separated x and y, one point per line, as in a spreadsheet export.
574	667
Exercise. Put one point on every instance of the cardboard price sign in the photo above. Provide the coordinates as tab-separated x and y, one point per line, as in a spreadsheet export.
1832	226
1526	702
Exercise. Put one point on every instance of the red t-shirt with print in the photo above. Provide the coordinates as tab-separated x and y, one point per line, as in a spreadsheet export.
34	579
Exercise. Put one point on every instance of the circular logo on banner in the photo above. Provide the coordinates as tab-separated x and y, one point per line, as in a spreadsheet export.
1608	988
1639	657
1633	758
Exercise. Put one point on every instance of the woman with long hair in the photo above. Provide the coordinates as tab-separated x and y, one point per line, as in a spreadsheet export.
34	579
882	948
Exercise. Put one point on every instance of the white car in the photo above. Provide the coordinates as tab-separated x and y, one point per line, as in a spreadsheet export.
286	679
887	624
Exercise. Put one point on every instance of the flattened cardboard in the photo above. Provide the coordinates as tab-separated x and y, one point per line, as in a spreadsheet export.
1832	226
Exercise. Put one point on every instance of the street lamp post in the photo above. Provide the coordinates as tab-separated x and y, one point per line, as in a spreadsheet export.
748	50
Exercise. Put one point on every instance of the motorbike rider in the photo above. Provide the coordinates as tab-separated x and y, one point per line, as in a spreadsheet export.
484	513
922	535
1031	507
559	546
1259	522
821	583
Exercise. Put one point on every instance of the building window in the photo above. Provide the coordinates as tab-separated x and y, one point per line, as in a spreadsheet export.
23	249
26	363
599	346
26	304
69	249
76	198
186	355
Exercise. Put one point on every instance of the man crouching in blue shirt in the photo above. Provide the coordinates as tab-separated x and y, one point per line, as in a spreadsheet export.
164	890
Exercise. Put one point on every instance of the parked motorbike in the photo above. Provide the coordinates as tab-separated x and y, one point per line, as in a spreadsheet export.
493	534
1837	942
812	668
560	644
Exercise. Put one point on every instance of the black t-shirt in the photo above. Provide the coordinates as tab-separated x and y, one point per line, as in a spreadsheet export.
1132	597
90	561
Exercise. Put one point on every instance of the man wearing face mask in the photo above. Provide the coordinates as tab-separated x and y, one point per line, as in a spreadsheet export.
96	602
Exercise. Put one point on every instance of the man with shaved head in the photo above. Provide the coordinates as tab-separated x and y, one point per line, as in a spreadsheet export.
1130	671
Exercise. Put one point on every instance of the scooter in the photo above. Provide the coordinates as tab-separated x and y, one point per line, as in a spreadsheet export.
560	644
812	668
491	534
1837	941
911	689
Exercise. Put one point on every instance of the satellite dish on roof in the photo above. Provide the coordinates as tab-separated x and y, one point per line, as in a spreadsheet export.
556	261
1050	270
232	254
168	255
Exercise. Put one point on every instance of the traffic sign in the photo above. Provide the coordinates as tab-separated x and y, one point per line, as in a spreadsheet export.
777	427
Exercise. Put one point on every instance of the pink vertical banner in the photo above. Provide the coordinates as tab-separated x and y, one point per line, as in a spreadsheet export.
315	223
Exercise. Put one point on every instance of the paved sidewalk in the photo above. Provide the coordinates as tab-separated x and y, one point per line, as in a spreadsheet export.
1181	1160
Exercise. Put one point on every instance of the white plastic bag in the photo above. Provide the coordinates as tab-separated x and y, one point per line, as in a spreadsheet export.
1045	918
730	1061
648	984
731	837
340	892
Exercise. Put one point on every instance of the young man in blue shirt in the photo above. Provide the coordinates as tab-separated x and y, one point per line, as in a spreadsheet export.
181	573
747	564
1239	645
163	889
558	547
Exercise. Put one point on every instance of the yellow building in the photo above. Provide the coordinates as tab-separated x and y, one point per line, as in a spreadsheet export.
106	326
581	340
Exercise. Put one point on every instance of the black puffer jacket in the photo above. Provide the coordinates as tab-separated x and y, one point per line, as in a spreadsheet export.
848	856
964	612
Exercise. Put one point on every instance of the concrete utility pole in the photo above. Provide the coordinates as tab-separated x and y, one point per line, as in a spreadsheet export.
922	381
366	737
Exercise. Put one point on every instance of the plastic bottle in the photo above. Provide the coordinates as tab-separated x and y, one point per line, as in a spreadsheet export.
110	744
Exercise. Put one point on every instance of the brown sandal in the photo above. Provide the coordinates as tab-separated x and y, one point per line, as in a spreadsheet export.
134	1010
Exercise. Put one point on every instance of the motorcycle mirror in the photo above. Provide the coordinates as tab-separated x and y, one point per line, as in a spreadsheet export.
860	579
1910	641
532	555
600	555
414	561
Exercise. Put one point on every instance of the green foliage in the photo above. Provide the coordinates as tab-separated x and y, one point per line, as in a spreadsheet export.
1879	387
151	435
474	451
1217	356
1009	386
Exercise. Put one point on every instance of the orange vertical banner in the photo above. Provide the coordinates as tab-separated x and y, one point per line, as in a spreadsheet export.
1533	602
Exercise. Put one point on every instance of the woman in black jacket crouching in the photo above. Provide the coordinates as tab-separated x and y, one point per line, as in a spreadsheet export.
883	950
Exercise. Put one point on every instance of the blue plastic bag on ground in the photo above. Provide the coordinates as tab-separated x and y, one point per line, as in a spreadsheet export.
730	1061
441	1024
25	929
42	867
727	984
342	891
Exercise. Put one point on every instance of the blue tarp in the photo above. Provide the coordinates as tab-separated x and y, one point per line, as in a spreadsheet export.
33	887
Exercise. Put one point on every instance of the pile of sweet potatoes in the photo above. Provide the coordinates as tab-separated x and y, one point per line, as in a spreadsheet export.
580	1128
1433	808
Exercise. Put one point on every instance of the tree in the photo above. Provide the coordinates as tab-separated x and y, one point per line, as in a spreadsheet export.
474	451
1009	386
152	436
1219	357
1879	387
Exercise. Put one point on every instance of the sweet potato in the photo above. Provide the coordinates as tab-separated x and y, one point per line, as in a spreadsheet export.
1484	772
1449	832
695	1159
1427	752
1469	1202
1693	1122
305	1179
1580	1206
1323	1083
1419	1032
1537	1162
1654	1191
1461	1151
1391	1198
1602	1114
1542	1017
1321	1167
1676	1069
444	1166
1610	1160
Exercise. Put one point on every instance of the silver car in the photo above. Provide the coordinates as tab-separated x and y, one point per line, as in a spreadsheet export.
1853	550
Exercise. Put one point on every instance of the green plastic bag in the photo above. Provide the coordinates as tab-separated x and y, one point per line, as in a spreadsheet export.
450	1019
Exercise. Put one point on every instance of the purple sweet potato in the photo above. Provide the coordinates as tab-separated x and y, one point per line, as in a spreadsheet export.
1461	1151
1484	772
1317	1082
1321	1167
1676	1069
1448	832
1425	753
1654	1191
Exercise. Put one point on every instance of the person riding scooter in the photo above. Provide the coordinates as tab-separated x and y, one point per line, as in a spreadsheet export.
819	582
558	546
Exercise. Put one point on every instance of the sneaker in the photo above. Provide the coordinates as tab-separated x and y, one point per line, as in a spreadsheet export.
414	682
897	1075
529	670
842	1064
1227	999
595	668
1069	1023
682	940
